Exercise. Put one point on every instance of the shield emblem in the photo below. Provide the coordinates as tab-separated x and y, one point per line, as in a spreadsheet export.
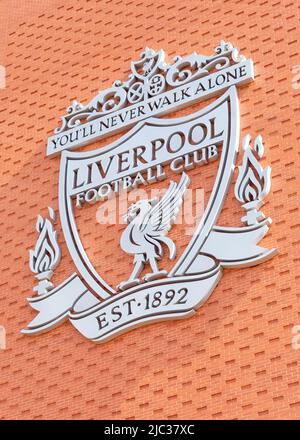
217	124
151	267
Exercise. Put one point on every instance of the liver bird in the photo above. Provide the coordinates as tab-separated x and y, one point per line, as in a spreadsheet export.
149	221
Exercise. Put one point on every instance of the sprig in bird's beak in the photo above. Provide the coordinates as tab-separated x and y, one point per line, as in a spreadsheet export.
154	201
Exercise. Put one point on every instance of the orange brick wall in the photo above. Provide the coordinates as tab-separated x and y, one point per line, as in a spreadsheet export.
234	358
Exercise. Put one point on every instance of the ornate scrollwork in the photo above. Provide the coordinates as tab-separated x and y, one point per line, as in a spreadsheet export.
109	100
149	76
185	70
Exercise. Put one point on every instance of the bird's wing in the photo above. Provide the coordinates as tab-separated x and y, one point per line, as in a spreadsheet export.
161	217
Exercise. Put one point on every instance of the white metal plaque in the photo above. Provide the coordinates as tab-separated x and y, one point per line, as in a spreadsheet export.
149	152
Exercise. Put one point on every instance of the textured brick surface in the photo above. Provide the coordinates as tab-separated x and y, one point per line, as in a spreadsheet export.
234	358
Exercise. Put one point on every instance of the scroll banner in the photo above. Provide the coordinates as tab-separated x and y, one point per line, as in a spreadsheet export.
187	94
169	298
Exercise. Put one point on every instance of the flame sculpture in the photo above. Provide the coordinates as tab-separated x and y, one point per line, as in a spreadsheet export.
46	255
253	182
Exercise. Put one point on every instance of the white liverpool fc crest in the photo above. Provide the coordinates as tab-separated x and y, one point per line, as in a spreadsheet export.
162	283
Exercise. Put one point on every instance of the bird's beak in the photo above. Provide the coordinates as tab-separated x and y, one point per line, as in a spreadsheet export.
129	216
